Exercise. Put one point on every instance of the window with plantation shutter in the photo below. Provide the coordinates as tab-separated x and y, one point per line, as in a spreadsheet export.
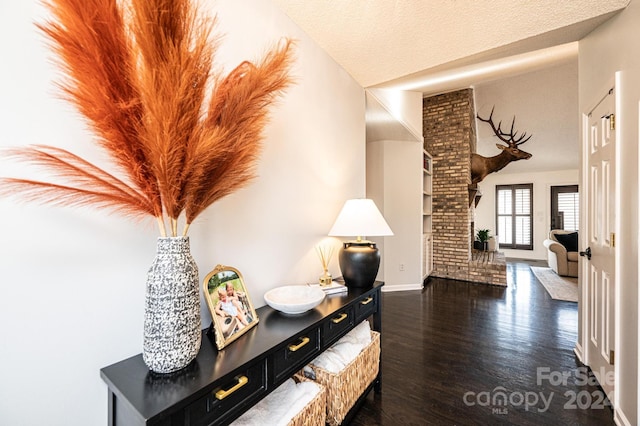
514	216
565	207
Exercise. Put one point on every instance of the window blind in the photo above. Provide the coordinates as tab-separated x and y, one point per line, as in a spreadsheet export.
514	216
569	206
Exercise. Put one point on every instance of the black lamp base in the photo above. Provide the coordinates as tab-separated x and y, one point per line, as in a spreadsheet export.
359	263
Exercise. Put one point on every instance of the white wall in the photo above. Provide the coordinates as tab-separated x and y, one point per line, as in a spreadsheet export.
610	48
72	280
394	182
544	105
485	213
403	207
403	107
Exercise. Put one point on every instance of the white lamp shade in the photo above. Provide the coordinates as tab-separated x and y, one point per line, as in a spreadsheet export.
360	217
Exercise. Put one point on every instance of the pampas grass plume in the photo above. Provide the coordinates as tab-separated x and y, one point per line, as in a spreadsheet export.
140	72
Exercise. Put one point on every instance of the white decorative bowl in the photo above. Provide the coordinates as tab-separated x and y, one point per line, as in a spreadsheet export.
294	299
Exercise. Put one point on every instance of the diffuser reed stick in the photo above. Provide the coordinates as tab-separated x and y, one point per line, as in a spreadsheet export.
325	254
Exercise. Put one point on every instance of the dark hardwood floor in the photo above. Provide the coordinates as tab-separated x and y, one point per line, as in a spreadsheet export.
459	353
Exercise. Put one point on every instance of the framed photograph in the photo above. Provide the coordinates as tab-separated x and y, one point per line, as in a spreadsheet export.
231	309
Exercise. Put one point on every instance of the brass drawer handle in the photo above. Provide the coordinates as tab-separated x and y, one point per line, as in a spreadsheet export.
339	319
304	341
222	394
367	301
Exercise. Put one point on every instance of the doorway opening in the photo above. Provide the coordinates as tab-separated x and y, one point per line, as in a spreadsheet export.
565	207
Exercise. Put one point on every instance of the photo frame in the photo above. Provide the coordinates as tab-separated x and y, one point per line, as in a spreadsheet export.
231	309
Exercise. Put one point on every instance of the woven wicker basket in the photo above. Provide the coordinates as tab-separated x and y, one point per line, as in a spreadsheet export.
344	388
314	413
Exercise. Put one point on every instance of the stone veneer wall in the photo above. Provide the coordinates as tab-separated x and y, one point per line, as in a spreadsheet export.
449	136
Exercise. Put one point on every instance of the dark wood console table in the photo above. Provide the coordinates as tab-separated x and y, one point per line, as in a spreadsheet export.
242	373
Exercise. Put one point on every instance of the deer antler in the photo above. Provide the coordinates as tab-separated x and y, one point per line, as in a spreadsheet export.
511	136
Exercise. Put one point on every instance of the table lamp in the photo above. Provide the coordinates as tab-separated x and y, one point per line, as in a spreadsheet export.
360	259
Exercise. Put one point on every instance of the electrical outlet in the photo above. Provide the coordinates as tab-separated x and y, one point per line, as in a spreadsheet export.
402	267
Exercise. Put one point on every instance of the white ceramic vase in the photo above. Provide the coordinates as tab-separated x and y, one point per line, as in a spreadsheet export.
172	323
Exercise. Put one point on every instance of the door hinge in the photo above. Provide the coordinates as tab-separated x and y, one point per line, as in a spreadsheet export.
612	121
612	354
612	239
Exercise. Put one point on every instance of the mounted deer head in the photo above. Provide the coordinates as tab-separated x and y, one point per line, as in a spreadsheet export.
482	166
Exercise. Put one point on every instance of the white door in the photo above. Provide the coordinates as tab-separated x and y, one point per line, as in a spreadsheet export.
599	281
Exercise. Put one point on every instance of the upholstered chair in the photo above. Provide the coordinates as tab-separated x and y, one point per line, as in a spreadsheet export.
562	252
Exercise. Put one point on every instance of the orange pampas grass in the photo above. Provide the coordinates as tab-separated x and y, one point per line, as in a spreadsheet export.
141	75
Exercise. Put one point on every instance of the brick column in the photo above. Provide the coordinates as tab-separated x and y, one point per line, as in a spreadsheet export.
449	136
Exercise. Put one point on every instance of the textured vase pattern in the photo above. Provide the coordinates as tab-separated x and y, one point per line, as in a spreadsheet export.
172	323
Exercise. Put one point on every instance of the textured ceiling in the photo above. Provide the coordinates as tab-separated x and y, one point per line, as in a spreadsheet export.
435	46
383	42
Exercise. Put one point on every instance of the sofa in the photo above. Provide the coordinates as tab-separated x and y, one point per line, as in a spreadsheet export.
562	252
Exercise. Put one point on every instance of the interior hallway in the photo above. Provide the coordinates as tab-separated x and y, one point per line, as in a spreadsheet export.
472	354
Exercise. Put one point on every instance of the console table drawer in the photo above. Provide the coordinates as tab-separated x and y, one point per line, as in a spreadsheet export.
366	307
238	391
336	326
242	373
291	357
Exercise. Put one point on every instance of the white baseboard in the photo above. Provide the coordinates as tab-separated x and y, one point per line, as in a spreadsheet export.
578	351
620	419
401	287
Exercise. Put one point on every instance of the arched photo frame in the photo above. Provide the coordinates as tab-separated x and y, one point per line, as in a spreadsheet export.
231	309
